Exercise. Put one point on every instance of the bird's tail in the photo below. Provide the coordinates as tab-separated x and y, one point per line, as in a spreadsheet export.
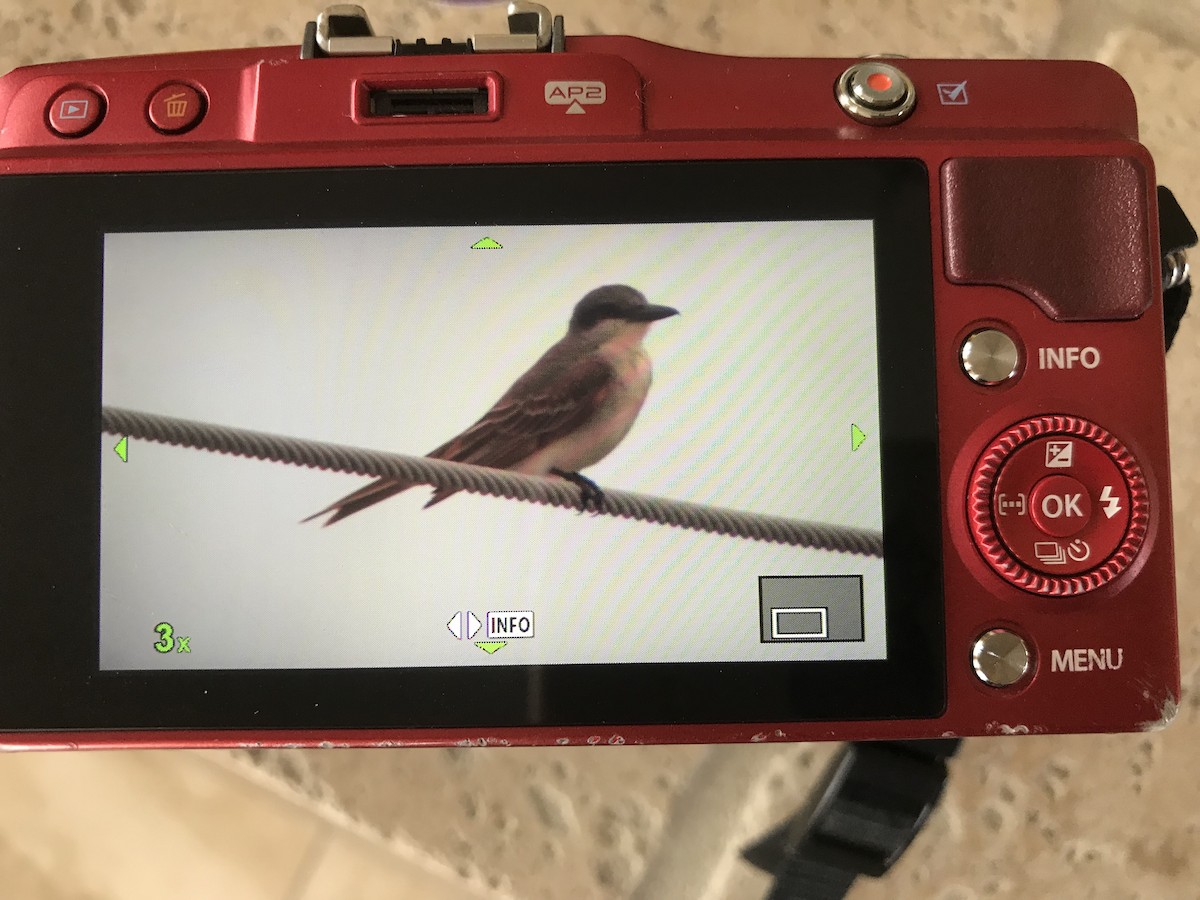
360	500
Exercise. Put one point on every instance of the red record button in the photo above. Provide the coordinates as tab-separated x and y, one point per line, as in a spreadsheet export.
1058	506
75	112
175	108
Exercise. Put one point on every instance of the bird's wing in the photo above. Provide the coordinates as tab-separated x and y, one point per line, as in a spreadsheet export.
543	405
533	415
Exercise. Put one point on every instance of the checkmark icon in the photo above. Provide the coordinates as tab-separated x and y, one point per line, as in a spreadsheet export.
953	93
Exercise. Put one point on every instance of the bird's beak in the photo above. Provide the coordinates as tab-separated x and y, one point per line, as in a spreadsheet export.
652	313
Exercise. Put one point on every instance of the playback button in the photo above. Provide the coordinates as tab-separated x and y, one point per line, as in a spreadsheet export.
74	112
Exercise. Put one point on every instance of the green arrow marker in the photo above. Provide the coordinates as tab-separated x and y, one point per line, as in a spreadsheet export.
856	437
122	448
490	647
486	244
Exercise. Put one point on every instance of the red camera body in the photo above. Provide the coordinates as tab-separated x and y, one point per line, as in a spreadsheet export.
1052	447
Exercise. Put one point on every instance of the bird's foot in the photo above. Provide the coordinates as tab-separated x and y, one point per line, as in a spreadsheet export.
591	497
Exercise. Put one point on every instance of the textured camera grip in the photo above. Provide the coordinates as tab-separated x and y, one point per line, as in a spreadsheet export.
1070	233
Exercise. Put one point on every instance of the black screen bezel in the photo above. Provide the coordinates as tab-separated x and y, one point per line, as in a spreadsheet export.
51	257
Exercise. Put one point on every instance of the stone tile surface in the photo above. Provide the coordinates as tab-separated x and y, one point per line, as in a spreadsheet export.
1072	816
539	823
827	27
1163	76
350	867
118	825
734	794
22	878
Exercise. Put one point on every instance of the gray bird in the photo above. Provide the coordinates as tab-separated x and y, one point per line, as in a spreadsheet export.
568	412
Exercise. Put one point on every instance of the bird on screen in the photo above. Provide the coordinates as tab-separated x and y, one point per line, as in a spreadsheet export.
568	412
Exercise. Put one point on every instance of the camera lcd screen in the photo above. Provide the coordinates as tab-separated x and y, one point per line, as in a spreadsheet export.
784	306
763	400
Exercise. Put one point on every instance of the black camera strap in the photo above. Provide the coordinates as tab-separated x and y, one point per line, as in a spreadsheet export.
871	802
1176	236
877	795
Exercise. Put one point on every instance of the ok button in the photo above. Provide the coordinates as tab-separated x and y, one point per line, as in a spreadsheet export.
1060	505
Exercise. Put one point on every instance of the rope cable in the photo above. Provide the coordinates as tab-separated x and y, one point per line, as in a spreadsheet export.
482	480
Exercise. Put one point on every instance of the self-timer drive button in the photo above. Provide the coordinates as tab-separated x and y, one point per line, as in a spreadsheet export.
74	112
876	93
175	107
1058	506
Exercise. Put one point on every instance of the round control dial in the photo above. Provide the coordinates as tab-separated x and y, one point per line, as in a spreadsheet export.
1058	506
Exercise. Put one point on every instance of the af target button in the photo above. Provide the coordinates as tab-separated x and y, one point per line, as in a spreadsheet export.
1058	506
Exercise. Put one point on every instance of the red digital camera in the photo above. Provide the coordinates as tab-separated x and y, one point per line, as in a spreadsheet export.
543	389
